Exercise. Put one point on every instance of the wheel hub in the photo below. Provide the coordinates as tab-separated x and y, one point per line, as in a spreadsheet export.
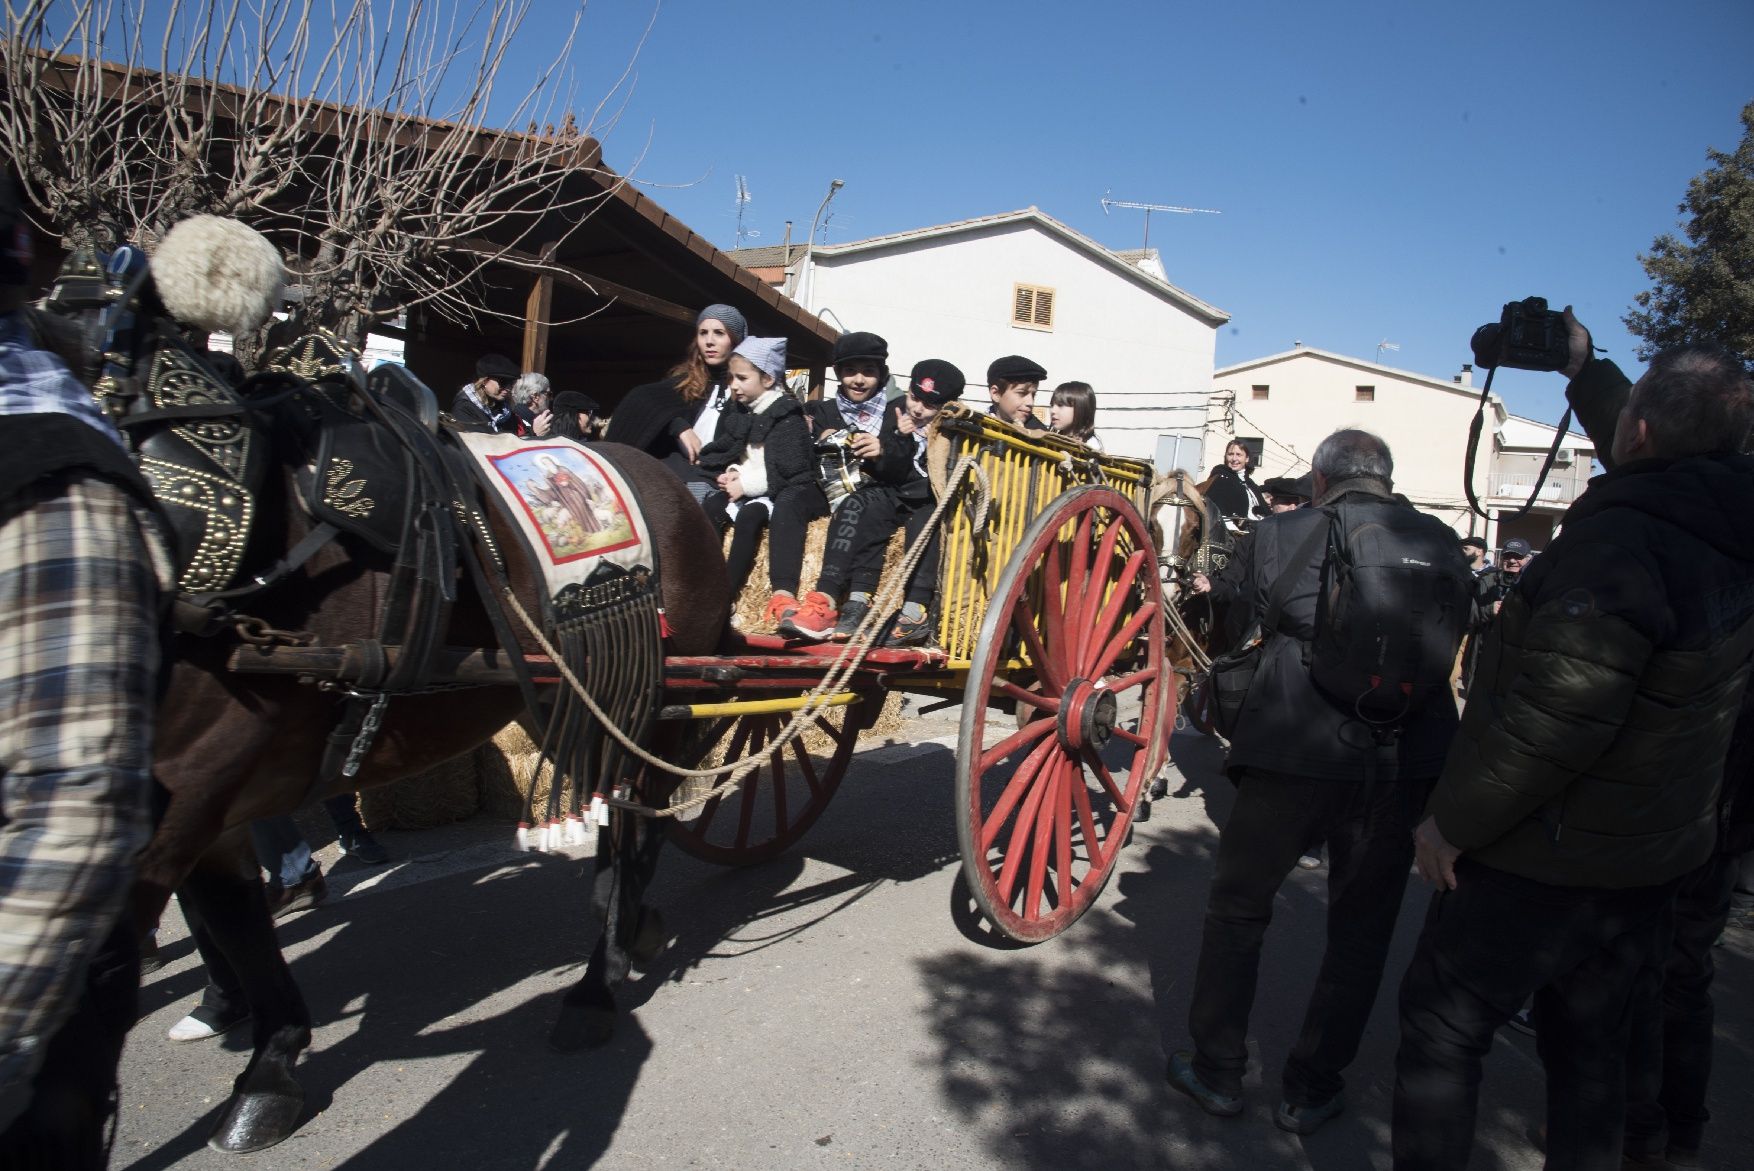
1087	715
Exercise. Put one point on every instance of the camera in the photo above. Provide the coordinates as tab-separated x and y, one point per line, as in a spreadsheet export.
1527	336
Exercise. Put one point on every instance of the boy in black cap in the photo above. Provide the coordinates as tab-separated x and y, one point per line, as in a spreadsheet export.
848	424
1012	381
898	493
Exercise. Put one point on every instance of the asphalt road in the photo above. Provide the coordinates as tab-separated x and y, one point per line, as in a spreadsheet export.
839	1008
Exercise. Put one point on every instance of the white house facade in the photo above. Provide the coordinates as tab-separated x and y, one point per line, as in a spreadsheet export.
1023	283
1282	406
1516	481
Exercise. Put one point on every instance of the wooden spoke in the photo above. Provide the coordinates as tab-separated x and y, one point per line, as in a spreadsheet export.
1022	832
1028	734
1014	789
1103	624
1096	591
1024	621
1070	779
1041	842
1108	781
766	824
1119	642
1087	822
1035	699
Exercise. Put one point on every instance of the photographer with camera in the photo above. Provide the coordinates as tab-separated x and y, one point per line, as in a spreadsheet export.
1580	797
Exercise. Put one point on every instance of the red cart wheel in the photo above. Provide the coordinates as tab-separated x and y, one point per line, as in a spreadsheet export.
785	794
1074	632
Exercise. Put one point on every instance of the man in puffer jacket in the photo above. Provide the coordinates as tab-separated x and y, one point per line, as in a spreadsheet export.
1584	782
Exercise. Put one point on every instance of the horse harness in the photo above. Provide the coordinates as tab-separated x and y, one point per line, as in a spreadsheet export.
374	470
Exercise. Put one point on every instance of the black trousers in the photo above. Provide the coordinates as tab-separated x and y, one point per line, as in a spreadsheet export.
1368	832
858	538
793	510
1487	947
1668	1061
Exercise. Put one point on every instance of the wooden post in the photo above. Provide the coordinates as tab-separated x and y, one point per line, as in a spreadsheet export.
536	313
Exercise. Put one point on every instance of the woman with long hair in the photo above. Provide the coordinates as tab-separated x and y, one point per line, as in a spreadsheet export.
1231	489
673	418
1072	413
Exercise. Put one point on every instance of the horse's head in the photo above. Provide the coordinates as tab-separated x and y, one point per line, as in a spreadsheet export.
128	322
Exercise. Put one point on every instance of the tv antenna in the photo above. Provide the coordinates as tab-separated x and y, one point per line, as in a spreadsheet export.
742	202
1148	208
1386	344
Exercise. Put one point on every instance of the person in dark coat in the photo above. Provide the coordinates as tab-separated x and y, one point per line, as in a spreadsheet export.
765	466
1231	488
674	418
485	404
1012	382
575	416
1583	788
1309	770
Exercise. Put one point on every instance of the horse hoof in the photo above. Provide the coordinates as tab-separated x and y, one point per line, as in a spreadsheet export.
257	1120
582	1027
649	940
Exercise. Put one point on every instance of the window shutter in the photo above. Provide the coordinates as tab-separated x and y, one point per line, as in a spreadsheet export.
1024	311
1044	307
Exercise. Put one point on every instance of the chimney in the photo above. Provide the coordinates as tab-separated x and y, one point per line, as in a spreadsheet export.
1466	377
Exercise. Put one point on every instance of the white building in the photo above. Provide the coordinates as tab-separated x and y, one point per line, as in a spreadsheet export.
1022	283
1282	406
1523	445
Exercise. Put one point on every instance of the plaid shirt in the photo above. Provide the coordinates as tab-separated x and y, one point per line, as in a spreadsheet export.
81	566
36	382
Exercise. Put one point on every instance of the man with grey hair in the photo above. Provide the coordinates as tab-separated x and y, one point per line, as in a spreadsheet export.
1311	770
1583	789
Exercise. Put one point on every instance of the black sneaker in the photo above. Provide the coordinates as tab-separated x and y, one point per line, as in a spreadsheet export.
851	615
1182	1077
362	847
1524	1020
905	631
1308	1119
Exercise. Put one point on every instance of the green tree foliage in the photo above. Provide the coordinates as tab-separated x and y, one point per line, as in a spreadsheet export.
1703	288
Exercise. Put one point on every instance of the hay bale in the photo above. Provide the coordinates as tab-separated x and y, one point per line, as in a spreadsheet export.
449	793
750	613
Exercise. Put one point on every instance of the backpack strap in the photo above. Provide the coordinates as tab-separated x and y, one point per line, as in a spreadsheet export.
1280	591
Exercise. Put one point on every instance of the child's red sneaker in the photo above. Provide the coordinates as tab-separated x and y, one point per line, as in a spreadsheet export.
781	606
814	618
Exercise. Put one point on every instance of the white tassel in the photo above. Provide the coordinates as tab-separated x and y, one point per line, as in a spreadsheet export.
599	809
556	835
575	830
523	836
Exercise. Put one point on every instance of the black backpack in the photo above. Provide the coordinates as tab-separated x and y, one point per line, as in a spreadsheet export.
1395	601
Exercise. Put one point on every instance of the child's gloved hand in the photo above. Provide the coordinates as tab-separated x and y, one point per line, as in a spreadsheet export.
903	421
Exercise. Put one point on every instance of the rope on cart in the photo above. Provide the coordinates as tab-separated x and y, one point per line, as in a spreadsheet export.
852	655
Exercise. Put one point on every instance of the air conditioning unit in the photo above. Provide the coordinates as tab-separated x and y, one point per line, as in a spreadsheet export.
1562	456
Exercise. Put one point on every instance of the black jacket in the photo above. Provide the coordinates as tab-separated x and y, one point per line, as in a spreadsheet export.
468	415
1226	492
894	465
780	430
1288	726
653	414
1606	692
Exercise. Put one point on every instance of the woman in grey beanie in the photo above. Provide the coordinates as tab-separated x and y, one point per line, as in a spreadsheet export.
674	418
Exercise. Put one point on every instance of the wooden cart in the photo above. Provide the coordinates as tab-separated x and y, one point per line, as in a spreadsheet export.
1049	612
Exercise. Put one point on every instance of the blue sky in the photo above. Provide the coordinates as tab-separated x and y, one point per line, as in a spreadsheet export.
1385	170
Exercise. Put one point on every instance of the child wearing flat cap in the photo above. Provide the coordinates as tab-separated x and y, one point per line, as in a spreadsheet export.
899	493
1012	381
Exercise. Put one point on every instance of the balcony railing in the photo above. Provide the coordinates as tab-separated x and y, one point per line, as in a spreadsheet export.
1561	488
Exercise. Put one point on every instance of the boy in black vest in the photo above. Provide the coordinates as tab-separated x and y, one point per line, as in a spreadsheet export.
898	493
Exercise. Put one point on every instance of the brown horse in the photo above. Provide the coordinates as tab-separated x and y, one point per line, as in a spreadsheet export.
233	748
